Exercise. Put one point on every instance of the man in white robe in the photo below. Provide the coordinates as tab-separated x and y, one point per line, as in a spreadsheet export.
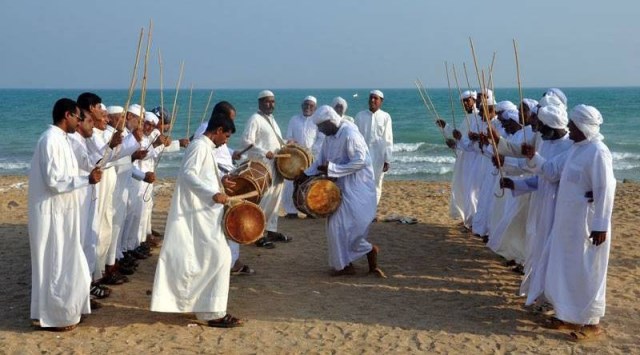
344	156
60	276
340	106
375	126
262	135
302	131
580	238
194	266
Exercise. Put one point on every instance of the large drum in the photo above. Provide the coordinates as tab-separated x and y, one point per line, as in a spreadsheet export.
318	197
296	159
244	222
250	176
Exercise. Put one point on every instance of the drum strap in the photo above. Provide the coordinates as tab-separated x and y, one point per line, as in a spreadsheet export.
282	143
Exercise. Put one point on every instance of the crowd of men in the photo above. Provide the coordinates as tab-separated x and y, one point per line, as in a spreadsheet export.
553	225
91	199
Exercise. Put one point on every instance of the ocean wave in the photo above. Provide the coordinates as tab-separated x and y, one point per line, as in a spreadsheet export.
417	170
436	159
406	147
12	166
617	156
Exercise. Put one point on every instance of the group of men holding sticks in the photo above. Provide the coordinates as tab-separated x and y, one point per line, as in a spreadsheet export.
90	204
554	226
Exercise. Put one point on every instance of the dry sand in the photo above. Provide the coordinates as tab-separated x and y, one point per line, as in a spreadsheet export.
446	292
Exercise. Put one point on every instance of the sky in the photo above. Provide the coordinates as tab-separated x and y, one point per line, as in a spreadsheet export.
227	44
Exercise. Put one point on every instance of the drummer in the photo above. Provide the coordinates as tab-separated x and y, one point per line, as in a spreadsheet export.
262	135
304	132
345	157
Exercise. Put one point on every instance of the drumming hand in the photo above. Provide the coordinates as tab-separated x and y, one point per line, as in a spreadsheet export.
220	198
228	183
300	178
323	168
269	155
385	167
236	155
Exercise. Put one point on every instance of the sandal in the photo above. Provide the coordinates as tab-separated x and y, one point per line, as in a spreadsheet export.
95	305
227	321
348	270
244	270
58	329
278	237
587	333
114	279
99	291
557	324
264	243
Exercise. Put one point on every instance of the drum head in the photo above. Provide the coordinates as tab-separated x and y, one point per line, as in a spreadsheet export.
323	197
292	166
244	223
242	186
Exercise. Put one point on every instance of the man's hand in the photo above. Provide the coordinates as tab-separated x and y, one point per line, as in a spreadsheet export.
497	158
323	168
300	179
236	155
116	139
149	177
269	155
184	142
95	176
483	138
137	133
457	135
473	136
506	183
441	123
227	182
220	198
598	237
528	150
385	167
138	154
451	143
493	135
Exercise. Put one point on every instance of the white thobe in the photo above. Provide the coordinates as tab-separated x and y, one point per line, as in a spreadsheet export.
348	160
304	132
489	177
60	278
376	129
195	262
470	179
577	270
263	132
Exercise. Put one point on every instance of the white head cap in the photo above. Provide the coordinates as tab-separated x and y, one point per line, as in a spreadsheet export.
151	118
310	98
531	104
103	107
378	93
553	116
505	106
469	93
135	109
557	93
340	101
551	100
588	119
265	93
112	110
489	95
512	115
325	113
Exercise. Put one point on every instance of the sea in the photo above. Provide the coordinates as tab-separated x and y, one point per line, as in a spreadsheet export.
419	152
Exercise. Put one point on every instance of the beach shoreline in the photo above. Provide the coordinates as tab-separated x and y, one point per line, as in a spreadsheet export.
446	291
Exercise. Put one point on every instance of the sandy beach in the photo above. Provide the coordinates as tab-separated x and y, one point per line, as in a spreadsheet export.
445	291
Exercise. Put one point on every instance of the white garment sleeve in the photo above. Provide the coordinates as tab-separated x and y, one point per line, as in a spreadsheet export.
250	136
357	153
388	138
604	188
137	173
193	163
524	186
54	174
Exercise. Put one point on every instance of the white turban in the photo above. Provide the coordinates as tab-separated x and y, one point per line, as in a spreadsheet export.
151	118
512	115
265	93
103	107
112	110
588	119
310	98
531	103
326	113
553	116
557	93
378	93
551	100
340	101
505	106
135	109
469	93
490	99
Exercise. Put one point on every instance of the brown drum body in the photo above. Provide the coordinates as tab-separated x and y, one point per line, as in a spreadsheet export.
299	160
249	176
244	222
318	196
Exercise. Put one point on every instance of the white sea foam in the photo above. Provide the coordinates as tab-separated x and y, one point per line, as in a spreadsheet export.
416	170
406	147
436	159
13	166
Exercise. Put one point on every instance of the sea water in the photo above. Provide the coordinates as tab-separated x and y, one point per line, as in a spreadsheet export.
419	152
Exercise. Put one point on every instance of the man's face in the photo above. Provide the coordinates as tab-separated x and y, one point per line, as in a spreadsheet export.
469	103
232	115
574	133
73	120
115	119
534	122
220	137
101	120
267	104
85	127
339	109
147	128
308	108
375	102
133	121
328	128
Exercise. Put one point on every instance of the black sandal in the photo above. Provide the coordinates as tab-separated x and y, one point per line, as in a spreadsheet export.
99	291
264	243
278	237
227	321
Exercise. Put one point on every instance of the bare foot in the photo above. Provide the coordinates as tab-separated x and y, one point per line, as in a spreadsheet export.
587	333
372	258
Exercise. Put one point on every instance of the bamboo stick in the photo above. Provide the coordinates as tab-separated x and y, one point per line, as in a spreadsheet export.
206	108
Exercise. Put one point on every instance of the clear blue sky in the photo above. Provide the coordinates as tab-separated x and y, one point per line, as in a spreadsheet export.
318	44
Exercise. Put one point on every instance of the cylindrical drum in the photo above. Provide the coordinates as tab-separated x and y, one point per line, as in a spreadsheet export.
250	176
317	196
297	160
244	222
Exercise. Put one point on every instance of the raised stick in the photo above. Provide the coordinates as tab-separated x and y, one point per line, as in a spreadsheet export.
134	76
161	87
206	108
521	113
466	114
426	100
453	114
466	76
189	113
143	86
